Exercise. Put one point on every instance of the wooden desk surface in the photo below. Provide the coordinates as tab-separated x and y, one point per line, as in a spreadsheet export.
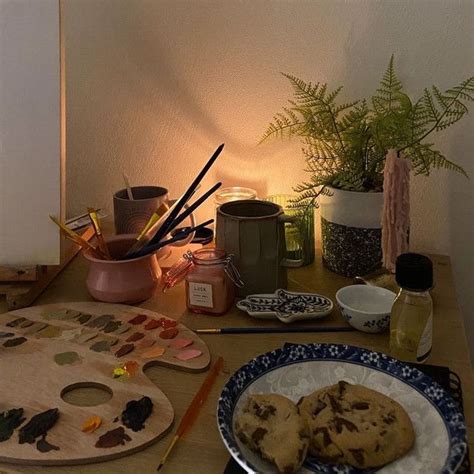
203	451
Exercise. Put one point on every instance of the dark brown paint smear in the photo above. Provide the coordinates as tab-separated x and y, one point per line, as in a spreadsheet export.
136	336
136	413
14	342
9	420
113	438
138	319
44	447
27	324
16	322
124	350
38	426
6	334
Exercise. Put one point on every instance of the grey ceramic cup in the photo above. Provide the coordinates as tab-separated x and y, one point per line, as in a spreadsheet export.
130	216
253	231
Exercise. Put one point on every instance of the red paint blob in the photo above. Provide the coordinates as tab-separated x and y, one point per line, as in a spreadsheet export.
135	337
152	324
168	323
170	333
138	319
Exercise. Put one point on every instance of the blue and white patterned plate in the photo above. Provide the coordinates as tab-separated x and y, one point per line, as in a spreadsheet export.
287	306
298	370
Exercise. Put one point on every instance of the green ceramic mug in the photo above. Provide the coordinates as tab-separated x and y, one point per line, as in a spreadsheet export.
254	232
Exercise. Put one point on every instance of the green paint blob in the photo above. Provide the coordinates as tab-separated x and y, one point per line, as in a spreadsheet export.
67	358
101	346
50	332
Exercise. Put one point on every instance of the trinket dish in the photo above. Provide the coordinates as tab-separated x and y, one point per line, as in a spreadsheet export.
287	306
366	307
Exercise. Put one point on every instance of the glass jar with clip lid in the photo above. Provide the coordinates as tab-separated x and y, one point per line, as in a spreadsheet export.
211	278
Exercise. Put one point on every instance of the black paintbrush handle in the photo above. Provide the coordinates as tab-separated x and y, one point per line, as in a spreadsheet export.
189	210
182	234
164	229
274	330
147	249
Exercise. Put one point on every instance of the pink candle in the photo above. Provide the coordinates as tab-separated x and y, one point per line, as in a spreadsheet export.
209	289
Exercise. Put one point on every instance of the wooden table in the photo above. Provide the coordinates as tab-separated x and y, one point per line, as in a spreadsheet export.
203	451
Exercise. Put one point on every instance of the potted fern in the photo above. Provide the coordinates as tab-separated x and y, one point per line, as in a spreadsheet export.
345	145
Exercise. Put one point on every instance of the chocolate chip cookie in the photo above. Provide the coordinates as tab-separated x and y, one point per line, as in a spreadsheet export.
352	424
271	426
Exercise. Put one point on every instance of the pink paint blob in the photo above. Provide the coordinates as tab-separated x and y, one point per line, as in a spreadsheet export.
188	354
181	343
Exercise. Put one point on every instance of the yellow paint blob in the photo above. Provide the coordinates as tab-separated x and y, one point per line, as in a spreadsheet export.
91	424
50	332
119	372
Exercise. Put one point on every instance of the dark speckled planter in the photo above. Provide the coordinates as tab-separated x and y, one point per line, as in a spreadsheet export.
350	251
351	232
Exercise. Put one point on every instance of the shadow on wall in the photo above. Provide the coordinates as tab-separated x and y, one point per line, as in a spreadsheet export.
154	68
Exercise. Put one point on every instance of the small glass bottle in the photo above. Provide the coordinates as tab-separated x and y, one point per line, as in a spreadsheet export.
411	321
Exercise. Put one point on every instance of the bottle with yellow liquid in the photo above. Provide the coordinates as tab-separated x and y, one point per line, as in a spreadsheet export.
411	320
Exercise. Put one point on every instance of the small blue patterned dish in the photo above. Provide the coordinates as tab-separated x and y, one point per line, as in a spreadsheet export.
298	370
366	307
287	306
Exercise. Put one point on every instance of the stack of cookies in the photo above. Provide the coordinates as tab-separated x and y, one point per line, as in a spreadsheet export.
339	424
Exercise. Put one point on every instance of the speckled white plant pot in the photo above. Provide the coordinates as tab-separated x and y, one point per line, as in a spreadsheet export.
351	231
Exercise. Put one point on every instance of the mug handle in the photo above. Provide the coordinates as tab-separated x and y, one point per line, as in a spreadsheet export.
190	237
290	262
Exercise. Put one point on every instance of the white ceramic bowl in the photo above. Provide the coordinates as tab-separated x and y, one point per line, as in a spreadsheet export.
366	307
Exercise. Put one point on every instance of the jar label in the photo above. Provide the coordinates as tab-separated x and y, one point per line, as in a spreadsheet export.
426	341
200	294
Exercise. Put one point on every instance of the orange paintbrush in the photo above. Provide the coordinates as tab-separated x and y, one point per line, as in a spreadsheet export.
193	409
98	232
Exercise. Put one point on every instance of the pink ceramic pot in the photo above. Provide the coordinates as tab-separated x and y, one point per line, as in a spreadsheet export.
123	281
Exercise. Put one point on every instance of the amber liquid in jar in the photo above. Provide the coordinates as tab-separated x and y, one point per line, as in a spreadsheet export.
209	289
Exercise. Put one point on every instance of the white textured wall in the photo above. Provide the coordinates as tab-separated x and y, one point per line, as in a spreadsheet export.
154	86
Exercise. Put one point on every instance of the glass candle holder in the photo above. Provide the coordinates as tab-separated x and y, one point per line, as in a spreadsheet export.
300	234
232	193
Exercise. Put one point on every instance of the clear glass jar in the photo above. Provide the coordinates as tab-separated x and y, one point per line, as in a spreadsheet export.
209	289
234	193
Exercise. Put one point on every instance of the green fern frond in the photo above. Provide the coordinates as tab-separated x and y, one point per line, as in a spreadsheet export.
345	144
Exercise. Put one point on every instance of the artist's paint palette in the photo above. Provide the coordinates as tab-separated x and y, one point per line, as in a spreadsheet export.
46	351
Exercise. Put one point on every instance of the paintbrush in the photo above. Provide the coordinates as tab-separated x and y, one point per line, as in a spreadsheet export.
264	330
143	237
164	229
180	235
77	239
98	232
150	229
127	185
193	207
193	410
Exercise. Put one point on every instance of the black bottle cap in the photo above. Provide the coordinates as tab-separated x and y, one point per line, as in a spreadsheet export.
414	272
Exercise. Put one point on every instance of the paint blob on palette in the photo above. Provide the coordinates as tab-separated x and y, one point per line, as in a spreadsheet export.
128	332
60	348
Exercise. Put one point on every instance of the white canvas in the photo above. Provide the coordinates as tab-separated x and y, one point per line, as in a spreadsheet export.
30	131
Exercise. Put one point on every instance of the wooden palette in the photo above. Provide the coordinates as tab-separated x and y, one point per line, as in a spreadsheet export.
31	379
